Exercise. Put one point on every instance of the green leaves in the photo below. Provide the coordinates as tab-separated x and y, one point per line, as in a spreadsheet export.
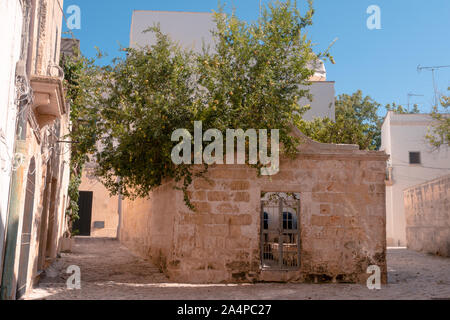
83	86
356	122
440	131
250	78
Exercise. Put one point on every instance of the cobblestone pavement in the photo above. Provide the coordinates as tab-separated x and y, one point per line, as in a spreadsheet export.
110	271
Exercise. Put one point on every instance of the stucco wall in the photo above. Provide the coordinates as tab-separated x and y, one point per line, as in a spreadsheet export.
342	221
427	210
401	134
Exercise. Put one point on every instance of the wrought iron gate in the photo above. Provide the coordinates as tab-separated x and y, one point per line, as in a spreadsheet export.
280	231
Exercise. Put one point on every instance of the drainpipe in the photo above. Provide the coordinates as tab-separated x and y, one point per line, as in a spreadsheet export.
17	192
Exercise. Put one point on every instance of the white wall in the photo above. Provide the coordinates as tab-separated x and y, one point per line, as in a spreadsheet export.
10	36
192	29
400	135
323	103
189	29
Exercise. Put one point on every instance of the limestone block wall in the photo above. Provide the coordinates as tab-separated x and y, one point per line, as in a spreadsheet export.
342	221
148	224
427	210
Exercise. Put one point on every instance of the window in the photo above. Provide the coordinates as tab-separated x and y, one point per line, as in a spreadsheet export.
414	158
289	221
266	221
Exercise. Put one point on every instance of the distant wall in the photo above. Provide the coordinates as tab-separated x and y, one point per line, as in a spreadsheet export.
427	209
104	207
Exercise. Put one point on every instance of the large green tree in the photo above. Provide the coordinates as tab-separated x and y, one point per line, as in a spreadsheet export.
357	122
250	78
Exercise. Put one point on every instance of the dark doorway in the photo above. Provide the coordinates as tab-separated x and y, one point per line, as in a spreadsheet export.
26	231
82	226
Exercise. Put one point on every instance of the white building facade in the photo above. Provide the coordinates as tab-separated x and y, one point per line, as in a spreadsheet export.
413	161
11	21
193	30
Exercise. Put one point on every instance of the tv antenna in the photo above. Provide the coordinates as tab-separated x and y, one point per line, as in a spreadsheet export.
433	69
409	98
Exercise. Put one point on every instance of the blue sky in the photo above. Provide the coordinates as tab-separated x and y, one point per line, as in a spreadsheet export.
382	63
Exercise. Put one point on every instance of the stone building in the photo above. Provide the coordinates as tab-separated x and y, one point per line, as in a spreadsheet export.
427	212
322	218
11	25
39	166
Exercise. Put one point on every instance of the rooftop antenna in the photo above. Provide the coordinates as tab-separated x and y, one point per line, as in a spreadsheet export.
433	69
409	98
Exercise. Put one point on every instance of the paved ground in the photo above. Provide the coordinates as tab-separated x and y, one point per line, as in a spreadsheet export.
110	271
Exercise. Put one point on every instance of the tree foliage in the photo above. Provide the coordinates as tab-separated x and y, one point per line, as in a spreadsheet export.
440	131
81	83
250	78
357	122
402	110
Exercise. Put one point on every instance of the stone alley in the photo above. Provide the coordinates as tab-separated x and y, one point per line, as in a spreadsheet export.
110	272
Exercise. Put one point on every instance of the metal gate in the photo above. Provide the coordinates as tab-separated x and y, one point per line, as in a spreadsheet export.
280	231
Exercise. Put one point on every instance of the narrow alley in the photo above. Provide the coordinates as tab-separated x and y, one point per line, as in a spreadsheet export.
109	271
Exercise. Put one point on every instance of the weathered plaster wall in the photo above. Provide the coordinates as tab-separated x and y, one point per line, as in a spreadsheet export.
342	221
427	210
11	19
104	207
51	158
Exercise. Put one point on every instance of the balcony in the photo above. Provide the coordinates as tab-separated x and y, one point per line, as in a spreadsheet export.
49	101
